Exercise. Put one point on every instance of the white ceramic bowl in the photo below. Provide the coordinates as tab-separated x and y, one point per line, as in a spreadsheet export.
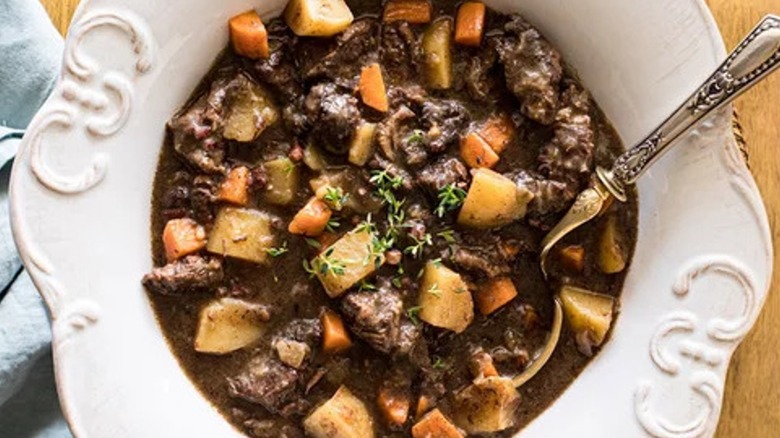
82	184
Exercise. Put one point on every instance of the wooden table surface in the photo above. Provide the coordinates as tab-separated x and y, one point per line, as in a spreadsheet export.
752	400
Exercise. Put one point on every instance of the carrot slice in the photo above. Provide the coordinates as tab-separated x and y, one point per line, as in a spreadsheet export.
413	11
498	132
235	188
311	220
476	152
249	36
423	405
394	406
435	425
470	24
335	338
573	258
182	237
372	88
494	295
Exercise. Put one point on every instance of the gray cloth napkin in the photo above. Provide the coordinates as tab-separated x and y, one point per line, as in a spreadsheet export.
31	50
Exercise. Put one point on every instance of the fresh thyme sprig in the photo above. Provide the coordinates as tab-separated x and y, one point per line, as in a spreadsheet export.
324	264
335	197
278	251
450	198
416	249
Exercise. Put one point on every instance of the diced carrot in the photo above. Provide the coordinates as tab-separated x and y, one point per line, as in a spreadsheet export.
249	36
573	258
435	425
394	406
498	132
413	11
423	405
235	188
372	88
476	152
495	294
182	237
470	24
335	338
311	220
481	365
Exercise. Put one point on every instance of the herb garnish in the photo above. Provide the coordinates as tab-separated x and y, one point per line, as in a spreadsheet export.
277	252
413	313
416	250
324	264
450	198
335	197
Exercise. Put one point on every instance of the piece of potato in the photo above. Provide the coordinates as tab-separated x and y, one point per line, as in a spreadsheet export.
251	111
487	406
283	179
322	18
314	159
437	47
588	311
354	258
241	233
612	256
435	425
363	144
444	298
229	324
291	352
343	416
493	201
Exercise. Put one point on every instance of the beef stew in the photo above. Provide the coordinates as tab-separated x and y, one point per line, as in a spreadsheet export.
347	216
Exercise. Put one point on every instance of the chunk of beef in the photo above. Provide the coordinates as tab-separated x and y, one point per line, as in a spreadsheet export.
443	119
334	115
476	259
400	51
203	196
278	70
411	343
445	171
195	131
569	156
533	70
394	129
266	382
280	73
481	76
565	163
189	274
308	331
375	317
353	49
484	253
410	95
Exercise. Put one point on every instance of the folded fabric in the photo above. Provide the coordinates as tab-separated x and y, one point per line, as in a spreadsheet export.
31	50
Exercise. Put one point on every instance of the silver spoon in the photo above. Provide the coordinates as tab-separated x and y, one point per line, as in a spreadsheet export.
754	59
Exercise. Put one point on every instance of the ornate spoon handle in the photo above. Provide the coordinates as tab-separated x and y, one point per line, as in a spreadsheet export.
754	58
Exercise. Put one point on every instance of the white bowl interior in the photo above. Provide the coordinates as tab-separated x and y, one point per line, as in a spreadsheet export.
639	59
